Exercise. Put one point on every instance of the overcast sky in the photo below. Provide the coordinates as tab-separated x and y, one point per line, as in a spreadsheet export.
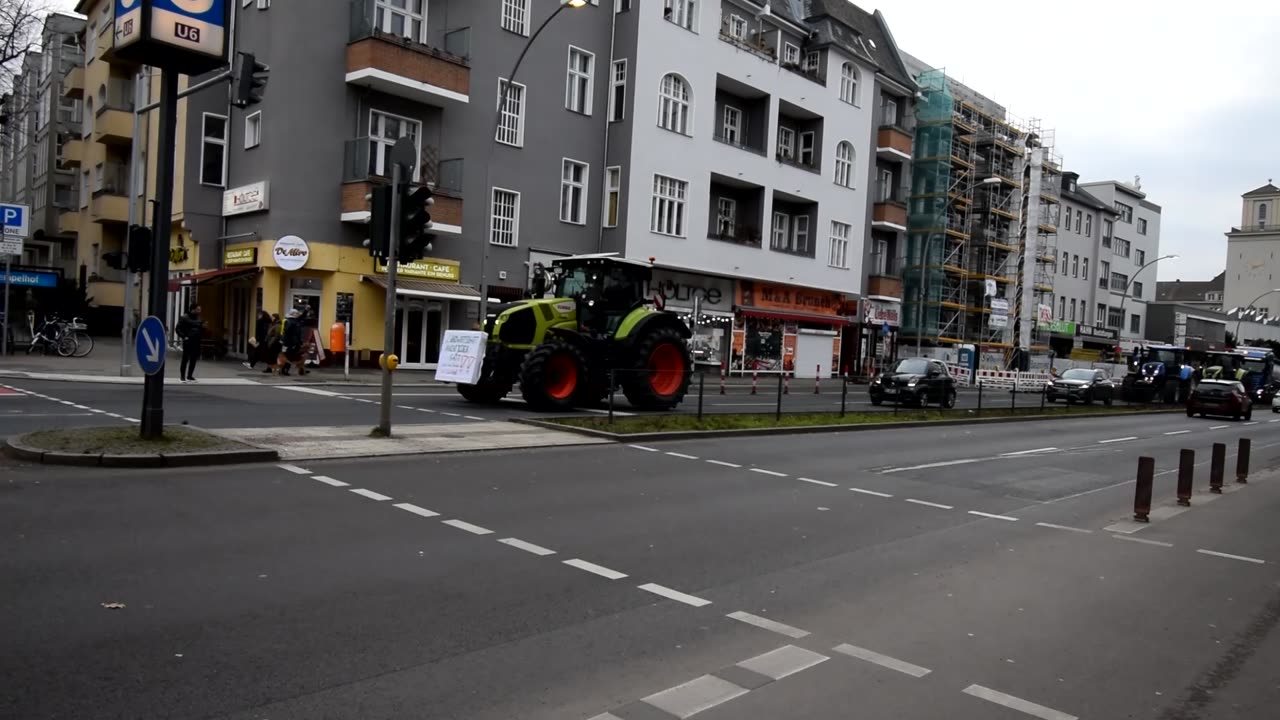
1183	96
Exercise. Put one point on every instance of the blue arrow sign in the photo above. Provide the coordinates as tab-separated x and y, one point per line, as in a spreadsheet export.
150	345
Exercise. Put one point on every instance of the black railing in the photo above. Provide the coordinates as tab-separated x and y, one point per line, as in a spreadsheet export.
813	74
889	192
739	144
796	162
748	236
884	265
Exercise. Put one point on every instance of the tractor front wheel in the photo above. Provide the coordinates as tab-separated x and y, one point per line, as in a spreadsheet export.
663	370
495	382
553	376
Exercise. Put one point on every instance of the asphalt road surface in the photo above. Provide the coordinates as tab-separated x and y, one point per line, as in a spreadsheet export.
980	573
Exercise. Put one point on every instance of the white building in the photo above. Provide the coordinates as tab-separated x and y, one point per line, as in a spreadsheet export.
1252	268
1129	248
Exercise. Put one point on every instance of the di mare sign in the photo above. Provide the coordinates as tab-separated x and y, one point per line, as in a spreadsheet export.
187	36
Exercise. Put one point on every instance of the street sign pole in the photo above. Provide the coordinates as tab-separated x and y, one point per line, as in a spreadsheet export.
135	173
153	386
4	327
389	333
14	219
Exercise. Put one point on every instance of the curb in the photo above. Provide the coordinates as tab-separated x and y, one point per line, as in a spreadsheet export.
15	448
211	382
813	429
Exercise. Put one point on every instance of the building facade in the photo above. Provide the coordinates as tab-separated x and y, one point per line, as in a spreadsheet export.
1204	294
1132	239
1252	269
1083	274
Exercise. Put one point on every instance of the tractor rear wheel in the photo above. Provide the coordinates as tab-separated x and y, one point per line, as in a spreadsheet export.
553	376
494	384
664	367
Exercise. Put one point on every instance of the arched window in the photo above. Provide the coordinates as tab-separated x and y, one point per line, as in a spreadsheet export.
844	164
1262	215
673	104
849	83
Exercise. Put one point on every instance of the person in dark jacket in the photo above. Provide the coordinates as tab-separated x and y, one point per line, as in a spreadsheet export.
257	353
290	342
191	330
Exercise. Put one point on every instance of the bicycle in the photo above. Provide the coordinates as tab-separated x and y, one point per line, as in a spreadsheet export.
79	331
53	335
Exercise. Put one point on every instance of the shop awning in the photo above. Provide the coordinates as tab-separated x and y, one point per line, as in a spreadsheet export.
213	277
427	288
817	318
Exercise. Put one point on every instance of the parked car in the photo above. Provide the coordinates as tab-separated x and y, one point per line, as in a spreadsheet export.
1275	404
1082	385
915	381
1220	397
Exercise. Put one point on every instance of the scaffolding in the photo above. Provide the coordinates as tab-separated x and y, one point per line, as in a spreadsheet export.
928	236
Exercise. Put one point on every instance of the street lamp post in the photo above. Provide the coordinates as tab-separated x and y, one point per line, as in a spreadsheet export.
1240	319
1125	296
488	170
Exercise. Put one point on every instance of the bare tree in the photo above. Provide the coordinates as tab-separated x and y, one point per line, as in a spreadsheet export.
19	27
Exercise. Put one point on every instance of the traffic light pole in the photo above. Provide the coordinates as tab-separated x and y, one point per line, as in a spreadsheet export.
389	331
153	387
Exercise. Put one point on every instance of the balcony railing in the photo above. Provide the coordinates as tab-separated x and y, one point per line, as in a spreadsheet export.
885	265
758	46
892	119
358	165
812	74
115	180
740	145
796	162
738	235
889	192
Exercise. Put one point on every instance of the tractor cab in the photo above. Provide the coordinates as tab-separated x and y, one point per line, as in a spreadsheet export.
1222	365
1259	373
604	287
1158	372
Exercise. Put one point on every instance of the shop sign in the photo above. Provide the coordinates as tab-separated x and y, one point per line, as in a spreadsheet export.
178	255
426	268
1044	315
881	312
999	313
767	296
1061	327
1097	334
679	289
240	256
245	199
291	253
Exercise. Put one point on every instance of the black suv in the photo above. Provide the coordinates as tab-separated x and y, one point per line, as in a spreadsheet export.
915	381
1081	385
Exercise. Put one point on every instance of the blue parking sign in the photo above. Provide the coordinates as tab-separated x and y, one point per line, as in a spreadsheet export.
14	219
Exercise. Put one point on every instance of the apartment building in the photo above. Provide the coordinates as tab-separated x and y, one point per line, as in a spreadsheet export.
1252	268
1085	246
1129	248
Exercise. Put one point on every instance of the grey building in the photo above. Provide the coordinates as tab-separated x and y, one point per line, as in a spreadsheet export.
1132	240
1083	270
1206	294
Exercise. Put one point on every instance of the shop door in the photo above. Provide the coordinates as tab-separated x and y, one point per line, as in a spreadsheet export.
419	327
239	322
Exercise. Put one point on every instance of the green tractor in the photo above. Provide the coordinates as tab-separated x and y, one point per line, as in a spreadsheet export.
596	333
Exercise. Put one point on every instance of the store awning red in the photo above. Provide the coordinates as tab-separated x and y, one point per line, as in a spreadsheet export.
213	277
817	318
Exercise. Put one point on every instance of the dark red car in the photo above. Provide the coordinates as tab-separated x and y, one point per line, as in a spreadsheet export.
1220	397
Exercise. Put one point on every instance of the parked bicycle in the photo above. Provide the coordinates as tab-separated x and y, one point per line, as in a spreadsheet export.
67	339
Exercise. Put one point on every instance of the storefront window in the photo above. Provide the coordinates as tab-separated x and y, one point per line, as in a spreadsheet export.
762	349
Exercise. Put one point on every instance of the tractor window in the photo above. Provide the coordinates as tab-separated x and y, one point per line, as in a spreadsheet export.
1168	357
1255	366
573	283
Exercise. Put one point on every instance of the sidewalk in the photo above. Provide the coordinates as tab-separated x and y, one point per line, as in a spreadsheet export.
103	366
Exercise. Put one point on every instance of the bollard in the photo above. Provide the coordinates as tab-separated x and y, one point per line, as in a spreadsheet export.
755	375
1043	392
721	378
1142	491
1216	464
1013	399
979	398
844	394
611	387
702	379
786	383
1186	476
777	413
817	379
1242	462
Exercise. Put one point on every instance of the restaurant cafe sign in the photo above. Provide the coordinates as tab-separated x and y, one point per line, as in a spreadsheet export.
424	269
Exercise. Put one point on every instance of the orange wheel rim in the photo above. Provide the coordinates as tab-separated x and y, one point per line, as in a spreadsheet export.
666	369
562	376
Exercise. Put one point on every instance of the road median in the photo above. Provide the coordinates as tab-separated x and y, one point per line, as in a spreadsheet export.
121	447
680	427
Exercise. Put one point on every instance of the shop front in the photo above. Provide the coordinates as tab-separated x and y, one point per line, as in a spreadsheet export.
1062	337
429	300
1095	343
781	328
881	321
705	304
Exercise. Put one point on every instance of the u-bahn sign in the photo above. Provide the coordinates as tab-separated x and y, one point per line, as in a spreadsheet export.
189	36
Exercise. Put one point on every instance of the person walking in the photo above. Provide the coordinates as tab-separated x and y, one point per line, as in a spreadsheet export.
261	328
191	330
290	342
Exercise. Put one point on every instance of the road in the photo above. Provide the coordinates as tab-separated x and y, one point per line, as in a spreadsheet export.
990	573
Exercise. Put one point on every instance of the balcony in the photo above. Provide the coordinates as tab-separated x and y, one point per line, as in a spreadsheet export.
113	125
361	173
893	142
793	225
392	64
73	153
110	202
745	33
799	131
69	222
743	115
735	210
890	209
73	83
884	276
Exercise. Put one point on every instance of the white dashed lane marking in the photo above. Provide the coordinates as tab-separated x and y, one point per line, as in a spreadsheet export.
527	546
1014	703
1006	518
591	567
883	661
930	504
642	447
419	511
683	456
774	473
329	481
1178	432
786	660
1219	427
295	469
724	464
695	696
468	527
1229	556
676	595
767	624
371	494
1117	440
817	482
872	493
1144	541
1063	527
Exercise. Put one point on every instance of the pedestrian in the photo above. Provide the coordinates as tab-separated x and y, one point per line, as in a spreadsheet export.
191	330
271	350
291	340
258	342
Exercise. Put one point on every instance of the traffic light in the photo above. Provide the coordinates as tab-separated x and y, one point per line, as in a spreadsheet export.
139	248
379	221
415	220
114	259
250	80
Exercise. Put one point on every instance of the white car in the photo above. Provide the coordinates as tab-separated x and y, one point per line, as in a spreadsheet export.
1275	403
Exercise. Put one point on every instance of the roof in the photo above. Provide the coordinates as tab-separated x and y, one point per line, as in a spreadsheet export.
1267	189
1080	196
858	32
1191	290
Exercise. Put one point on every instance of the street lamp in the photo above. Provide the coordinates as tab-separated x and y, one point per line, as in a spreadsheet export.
1248	307
924	258
493	142
1125	296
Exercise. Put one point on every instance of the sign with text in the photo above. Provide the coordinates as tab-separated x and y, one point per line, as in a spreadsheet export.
881	312
679	289
246	199
426	268
233	257
767	296
461	356
14	218
29	278
187	36
291	252
999	313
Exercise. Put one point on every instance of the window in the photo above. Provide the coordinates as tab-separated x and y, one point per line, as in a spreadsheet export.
612	195
1262	216
253	130
807	140
1078	214
621	5
1100	318
99	178
504	222
1119	282
737	27
1107	228
1122	247
1104	273
1066	258
84	190
573	192
1072	311
888	111
800	234
1075	266
673	104
384	130
213	150
1135	324
884	191
844	164
812	61
1084	269
1137	290
1126	212
1088	225
1142	226
786	143
839	254
405	18
731	130
849	84
781	231
681	12
667	215
726	216
790	54
1115	317
578	84
1062	308
511	123
618	92
515	16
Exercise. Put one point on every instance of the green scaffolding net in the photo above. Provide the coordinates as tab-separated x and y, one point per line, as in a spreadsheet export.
927	219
